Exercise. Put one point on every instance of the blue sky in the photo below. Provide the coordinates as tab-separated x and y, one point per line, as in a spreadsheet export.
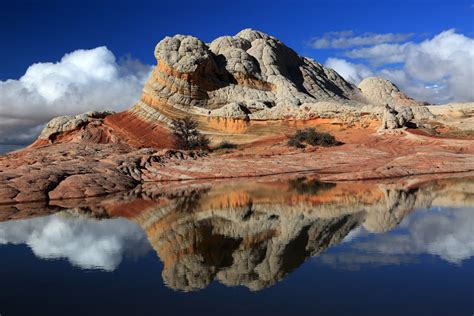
38	31
68	57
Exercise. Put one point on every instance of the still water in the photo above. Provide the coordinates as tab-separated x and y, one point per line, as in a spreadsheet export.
267	247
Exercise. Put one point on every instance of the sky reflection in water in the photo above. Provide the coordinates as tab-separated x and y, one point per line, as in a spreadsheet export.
260	235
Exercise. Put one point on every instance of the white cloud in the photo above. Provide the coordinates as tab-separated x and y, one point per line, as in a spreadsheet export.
351	72
438	70
87	243
382	54
447	234
347	39
81	81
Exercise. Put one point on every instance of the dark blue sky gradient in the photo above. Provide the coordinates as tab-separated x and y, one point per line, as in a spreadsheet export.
39	31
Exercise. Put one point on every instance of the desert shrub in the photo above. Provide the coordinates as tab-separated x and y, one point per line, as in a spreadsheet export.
312	137
225	144
186	134
294	142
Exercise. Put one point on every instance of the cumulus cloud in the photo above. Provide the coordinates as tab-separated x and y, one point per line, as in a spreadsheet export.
86	243
347	39
382	54
81	81
438	70
352	72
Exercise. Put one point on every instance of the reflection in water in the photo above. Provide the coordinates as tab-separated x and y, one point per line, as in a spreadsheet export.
85	242
253	233
310	187
446	233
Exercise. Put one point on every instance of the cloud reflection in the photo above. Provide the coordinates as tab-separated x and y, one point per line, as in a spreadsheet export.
85	242
446	234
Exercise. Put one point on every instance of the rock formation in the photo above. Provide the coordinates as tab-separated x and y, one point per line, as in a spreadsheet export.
250	89
254	76
251	68
229	84
393	119
69	123
381	91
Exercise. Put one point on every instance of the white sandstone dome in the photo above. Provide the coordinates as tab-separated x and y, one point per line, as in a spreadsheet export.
380	91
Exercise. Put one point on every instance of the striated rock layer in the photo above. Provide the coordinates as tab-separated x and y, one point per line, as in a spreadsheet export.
254	76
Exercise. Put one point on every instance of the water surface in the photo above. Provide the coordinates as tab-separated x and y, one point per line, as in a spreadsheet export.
247	247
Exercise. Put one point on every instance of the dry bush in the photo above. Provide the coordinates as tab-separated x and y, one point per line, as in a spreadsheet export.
187	136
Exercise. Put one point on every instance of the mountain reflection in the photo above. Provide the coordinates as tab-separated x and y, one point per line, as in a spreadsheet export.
250	233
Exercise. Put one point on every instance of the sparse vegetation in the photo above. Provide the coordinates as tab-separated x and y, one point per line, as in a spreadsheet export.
310	136
187	136
294	142
225	144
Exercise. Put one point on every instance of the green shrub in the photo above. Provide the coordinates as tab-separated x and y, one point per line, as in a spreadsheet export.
312	137
187	136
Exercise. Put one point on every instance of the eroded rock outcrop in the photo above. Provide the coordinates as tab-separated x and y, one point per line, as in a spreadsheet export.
69	123
393	119
254	76
226	86
381	91
246	68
